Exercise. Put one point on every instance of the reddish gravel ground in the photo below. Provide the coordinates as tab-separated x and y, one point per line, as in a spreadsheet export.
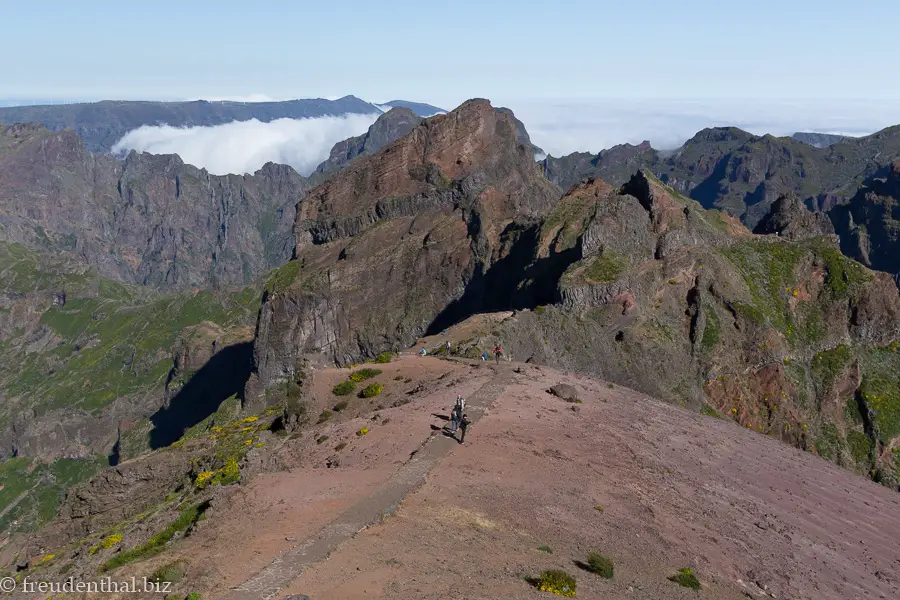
752	516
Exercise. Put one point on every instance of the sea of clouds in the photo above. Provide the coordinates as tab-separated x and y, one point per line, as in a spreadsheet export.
245	146
564	127
557	127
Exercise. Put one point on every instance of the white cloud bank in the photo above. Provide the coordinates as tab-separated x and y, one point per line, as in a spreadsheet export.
245	146
557	127
564	127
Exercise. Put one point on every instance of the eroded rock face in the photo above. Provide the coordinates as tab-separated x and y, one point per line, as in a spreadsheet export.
400	237
868	223
149	219
116	494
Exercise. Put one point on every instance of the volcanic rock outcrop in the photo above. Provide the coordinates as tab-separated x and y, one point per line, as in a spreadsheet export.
430	224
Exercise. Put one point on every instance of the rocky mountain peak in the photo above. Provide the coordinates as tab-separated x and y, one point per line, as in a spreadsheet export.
472	154
720	134
790	218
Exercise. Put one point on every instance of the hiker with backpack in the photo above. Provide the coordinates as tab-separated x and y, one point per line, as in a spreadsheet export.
457	413
464	423
498	353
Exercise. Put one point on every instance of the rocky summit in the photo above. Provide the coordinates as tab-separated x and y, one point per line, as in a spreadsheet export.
182	396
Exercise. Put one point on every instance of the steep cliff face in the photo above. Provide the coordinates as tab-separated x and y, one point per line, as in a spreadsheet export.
397	239
869	224
791	339
149	219
86	361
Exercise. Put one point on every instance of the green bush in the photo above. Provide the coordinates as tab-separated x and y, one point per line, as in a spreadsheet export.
556	581
364	374
344	388
600	565
340	406
170	573
321	439
686	578
546	549
384	358
371	390
340	446
324	416
193	596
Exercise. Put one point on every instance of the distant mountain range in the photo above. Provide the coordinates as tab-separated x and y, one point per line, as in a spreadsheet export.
101	124
741	173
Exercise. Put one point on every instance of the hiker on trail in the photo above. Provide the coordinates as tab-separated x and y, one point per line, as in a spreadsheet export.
484	355
457	412
463	425
448	346
422	352
498	353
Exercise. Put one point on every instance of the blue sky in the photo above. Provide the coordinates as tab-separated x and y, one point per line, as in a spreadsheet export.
446	52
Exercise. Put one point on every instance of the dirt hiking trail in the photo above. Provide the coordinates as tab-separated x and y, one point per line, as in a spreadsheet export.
289	565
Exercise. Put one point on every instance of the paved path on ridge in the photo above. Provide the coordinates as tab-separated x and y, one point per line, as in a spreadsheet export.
267	583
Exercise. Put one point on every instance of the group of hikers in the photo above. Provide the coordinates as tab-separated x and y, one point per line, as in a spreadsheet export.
498	354
459	420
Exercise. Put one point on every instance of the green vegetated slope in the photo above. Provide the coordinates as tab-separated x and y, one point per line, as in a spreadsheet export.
72	344
106	341
170	491
31	492
790	339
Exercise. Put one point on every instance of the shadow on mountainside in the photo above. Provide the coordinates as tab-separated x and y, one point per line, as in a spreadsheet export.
223	376
516	281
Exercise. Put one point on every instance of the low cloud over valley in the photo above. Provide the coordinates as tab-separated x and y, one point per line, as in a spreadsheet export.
557	127
245	146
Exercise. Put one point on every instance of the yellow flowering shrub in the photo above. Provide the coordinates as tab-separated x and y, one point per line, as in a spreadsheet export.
557	582
111	540
203	479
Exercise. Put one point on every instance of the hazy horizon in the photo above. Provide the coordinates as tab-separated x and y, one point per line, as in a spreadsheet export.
583	76
558	127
